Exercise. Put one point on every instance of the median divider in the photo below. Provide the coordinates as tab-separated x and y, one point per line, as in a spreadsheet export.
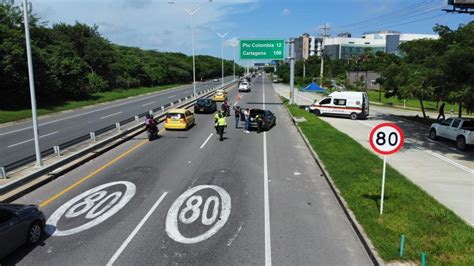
83	149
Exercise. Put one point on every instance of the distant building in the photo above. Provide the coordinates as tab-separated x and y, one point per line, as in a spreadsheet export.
368	78
344	46
306	46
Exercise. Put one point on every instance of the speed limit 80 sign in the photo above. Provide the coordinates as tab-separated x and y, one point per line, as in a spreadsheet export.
386	138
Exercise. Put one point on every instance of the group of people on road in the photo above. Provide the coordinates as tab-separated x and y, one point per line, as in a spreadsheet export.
239	115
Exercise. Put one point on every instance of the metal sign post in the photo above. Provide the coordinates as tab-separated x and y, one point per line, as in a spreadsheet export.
292	70
385	139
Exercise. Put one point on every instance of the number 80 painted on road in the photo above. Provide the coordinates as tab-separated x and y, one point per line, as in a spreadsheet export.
192	211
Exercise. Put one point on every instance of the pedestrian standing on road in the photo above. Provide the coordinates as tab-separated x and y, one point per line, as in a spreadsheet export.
237	116
441	112
221	124
247	120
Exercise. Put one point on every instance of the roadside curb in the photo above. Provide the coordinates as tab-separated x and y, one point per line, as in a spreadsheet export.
358	229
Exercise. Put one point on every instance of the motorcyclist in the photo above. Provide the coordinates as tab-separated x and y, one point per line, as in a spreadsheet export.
151	124
225	108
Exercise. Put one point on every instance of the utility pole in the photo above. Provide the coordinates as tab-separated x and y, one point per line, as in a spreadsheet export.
325	33
32	84
292	70
222	35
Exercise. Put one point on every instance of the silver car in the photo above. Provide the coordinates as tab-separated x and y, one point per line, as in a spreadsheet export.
19	225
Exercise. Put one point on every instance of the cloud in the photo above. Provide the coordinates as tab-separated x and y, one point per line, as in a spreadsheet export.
150	24
286	12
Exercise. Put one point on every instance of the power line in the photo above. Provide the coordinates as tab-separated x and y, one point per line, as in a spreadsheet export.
408	12
394	20
413	21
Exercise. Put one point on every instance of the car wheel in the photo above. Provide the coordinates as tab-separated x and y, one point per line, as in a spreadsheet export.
317	112
35	232
354	116
461	143
433	135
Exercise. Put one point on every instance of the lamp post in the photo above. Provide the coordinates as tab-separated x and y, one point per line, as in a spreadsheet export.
32	84
234	44
191	13
222	35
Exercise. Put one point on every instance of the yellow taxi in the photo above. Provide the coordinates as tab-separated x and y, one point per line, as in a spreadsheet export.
220	96
179	119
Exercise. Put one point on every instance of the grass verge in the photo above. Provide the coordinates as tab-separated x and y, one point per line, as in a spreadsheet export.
100	97
427	225
412	103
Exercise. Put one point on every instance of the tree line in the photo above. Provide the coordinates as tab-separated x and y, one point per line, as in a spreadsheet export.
72	62
428	69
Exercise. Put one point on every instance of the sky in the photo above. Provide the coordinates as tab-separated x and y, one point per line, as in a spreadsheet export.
158	25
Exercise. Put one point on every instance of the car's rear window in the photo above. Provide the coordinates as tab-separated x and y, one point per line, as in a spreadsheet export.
203	101
175	116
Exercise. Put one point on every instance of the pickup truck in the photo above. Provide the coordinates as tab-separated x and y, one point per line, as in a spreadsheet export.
455	129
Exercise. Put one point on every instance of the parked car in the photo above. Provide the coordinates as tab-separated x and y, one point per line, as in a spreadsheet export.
215	80
269	118
205	105
244	87
19	225
455	129
220	96
179	119
353	104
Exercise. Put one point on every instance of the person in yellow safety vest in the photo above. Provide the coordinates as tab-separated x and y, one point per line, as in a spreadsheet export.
220	125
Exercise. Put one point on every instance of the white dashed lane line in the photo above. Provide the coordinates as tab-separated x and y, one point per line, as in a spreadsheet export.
26	141
107	116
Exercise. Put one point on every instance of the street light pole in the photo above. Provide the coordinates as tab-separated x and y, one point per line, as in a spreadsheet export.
32	84
222	54
191	13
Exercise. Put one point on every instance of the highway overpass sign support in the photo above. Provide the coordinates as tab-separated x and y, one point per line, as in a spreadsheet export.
292	70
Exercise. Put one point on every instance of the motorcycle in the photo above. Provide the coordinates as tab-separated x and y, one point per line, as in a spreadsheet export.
152	132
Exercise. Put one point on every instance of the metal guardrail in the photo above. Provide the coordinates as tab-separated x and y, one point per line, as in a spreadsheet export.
71	143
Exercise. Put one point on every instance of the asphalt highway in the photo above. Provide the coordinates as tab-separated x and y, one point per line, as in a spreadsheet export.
16	140
187	198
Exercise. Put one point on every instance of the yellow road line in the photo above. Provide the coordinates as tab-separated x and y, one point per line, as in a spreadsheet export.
100	169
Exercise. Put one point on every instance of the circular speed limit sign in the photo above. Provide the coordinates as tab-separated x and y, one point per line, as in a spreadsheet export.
386	138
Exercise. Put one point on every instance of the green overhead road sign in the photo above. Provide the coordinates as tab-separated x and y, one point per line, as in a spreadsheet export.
262	49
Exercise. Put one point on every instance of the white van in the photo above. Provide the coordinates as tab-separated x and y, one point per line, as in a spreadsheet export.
353	104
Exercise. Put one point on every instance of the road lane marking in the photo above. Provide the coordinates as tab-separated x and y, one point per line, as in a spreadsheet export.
268	239
445	159
174	95
205	142
146	104
86	206
107	116
160	93
100	169
235	235
26	141
135	231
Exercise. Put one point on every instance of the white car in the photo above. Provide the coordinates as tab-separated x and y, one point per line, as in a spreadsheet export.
455	129
244	87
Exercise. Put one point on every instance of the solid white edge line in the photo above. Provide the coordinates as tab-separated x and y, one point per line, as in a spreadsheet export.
107	116
135	231
205	142
26	141
268	239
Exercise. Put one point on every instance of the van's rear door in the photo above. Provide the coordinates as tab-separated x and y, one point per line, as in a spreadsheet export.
365	104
